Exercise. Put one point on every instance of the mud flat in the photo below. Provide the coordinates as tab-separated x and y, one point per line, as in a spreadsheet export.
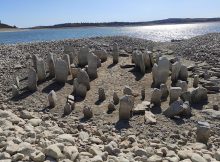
33	131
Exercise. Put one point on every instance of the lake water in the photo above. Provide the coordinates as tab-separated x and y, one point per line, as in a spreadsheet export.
155	33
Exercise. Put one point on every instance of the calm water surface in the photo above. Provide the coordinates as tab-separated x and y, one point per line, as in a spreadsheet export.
155	33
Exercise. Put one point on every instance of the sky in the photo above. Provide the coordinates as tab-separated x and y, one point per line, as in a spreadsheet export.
28	13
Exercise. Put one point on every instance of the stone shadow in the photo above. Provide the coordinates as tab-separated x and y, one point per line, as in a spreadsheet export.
122	124
25	93
156	109
127	66
111	65
199	106
178	120
53	86
136	72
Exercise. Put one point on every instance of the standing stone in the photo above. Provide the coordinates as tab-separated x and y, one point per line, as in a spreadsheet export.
175	71
82	56
175	93
115	53
203	132
51	65
164	91
115	98
127	91
71	52
195	81
67	109
186	96
87	111
61	71
66	58
101	54
198	95
101	93
17	82
161	71
99	63
183	85
111	106
156	97
15	91
141	62
142	93
126	106
92	65
71	101
74	71
32	80
83	78
151	58
183	75
41	71
147	60
34	59
52	98
79	89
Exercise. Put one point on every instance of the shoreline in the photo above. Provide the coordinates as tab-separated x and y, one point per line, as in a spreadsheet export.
12	30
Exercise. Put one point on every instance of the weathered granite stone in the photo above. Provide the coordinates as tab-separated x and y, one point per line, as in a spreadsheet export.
83	56
183	85
127	91
149	118
41	71
67	109
52	98
141	62
111	106
126	106
66	58
15	91
195	81
147	59
198	95
79	89
203	132
115	53
160	72
115	98
17	81
183	74
61	71
83	78
156	97
186	96
92	65
74	71
101	93
87	111
34	59
175	71
32	80
175	93
164	91
102	54
178	108
51	65
70	50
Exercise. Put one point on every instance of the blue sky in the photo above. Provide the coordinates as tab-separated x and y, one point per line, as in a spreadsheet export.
26	13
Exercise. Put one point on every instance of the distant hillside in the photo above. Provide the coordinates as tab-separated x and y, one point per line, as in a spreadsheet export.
157	22
6	26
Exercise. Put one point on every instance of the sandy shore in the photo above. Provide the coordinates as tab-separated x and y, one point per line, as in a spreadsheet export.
32	132
11	30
